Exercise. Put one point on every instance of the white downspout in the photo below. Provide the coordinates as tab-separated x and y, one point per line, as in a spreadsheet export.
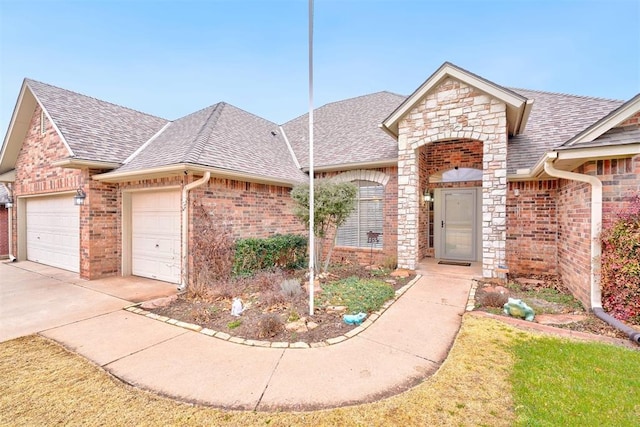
184	249
596	221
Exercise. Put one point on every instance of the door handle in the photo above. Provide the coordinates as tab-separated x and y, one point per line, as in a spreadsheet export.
441	224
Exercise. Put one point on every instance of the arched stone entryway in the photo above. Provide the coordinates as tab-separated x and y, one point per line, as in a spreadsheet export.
454	111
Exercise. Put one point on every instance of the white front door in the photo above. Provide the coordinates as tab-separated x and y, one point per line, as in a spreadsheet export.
53	231
155	235
458	226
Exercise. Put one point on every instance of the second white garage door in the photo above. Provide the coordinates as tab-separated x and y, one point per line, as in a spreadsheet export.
53	232
155	240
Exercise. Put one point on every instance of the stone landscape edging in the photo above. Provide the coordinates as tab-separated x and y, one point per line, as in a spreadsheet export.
135	308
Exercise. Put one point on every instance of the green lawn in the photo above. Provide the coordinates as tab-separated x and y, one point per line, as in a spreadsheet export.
575	383
556	383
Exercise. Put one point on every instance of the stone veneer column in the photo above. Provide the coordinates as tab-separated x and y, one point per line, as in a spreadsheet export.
494	193
455	110
407	203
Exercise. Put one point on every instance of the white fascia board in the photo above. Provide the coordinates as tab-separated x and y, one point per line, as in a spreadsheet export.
72	163
603	152
609	121
116	176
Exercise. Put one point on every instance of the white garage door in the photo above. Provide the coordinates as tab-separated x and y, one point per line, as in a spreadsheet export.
53	232
155	240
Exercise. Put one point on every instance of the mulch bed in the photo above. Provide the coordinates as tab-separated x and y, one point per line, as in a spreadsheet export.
531	289
267	310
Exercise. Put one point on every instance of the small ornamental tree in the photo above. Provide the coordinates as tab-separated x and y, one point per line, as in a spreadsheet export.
620	280
333	203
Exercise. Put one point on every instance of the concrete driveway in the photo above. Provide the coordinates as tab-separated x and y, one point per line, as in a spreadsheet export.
36	297
405	345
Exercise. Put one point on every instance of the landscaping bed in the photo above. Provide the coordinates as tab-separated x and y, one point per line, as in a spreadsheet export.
551	301
276	303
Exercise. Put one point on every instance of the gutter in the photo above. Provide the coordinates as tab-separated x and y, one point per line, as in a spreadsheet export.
185	228
596	249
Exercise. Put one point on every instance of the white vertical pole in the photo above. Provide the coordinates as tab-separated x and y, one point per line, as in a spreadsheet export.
312	241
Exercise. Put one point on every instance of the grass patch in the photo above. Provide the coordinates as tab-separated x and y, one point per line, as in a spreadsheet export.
358	295
234	324
560	382
44	384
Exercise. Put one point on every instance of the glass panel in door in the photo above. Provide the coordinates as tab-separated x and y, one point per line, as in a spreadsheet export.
458	224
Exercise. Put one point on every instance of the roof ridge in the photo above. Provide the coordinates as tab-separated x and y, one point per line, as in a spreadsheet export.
204	134
27	80
567	94
345	100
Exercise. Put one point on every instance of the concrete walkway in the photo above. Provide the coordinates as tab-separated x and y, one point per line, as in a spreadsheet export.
400	349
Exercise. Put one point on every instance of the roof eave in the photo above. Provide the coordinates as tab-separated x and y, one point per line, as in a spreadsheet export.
73	163
184	168
357	165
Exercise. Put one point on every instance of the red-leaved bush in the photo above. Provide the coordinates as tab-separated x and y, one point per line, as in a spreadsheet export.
620	281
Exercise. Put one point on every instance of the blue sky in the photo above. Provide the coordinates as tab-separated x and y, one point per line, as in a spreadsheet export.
171	58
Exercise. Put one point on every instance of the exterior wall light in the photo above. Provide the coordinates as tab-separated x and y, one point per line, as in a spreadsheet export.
78	199
427	196
9	203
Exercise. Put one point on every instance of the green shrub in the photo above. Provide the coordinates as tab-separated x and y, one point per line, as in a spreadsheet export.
287	251
620	280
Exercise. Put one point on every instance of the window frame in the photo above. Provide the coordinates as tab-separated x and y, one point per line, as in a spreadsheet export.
361	238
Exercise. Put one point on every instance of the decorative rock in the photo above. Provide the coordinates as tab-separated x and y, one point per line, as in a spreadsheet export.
312	325
400	272
336	309
159	302
298	326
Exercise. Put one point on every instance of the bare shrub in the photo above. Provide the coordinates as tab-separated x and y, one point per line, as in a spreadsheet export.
270	325
213	252
492	299
290	288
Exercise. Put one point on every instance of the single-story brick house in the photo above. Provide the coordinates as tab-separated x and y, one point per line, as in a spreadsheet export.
462	169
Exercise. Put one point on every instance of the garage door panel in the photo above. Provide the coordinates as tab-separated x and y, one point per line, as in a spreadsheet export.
155	239
53	227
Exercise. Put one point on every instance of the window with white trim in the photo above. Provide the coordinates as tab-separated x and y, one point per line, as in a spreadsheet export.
363	228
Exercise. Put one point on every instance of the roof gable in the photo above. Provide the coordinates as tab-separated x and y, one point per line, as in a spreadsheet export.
517	105
94	129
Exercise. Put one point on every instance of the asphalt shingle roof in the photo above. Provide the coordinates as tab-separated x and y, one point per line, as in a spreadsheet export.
94	129
346	131
225	137
553	120
614	136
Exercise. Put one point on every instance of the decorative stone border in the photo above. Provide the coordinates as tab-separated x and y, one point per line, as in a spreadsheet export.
471	302
134	308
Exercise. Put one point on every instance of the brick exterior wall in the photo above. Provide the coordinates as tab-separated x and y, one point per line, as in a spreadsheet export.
574	237
439	157
532	227
454	110
388	177
249	209
620	183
